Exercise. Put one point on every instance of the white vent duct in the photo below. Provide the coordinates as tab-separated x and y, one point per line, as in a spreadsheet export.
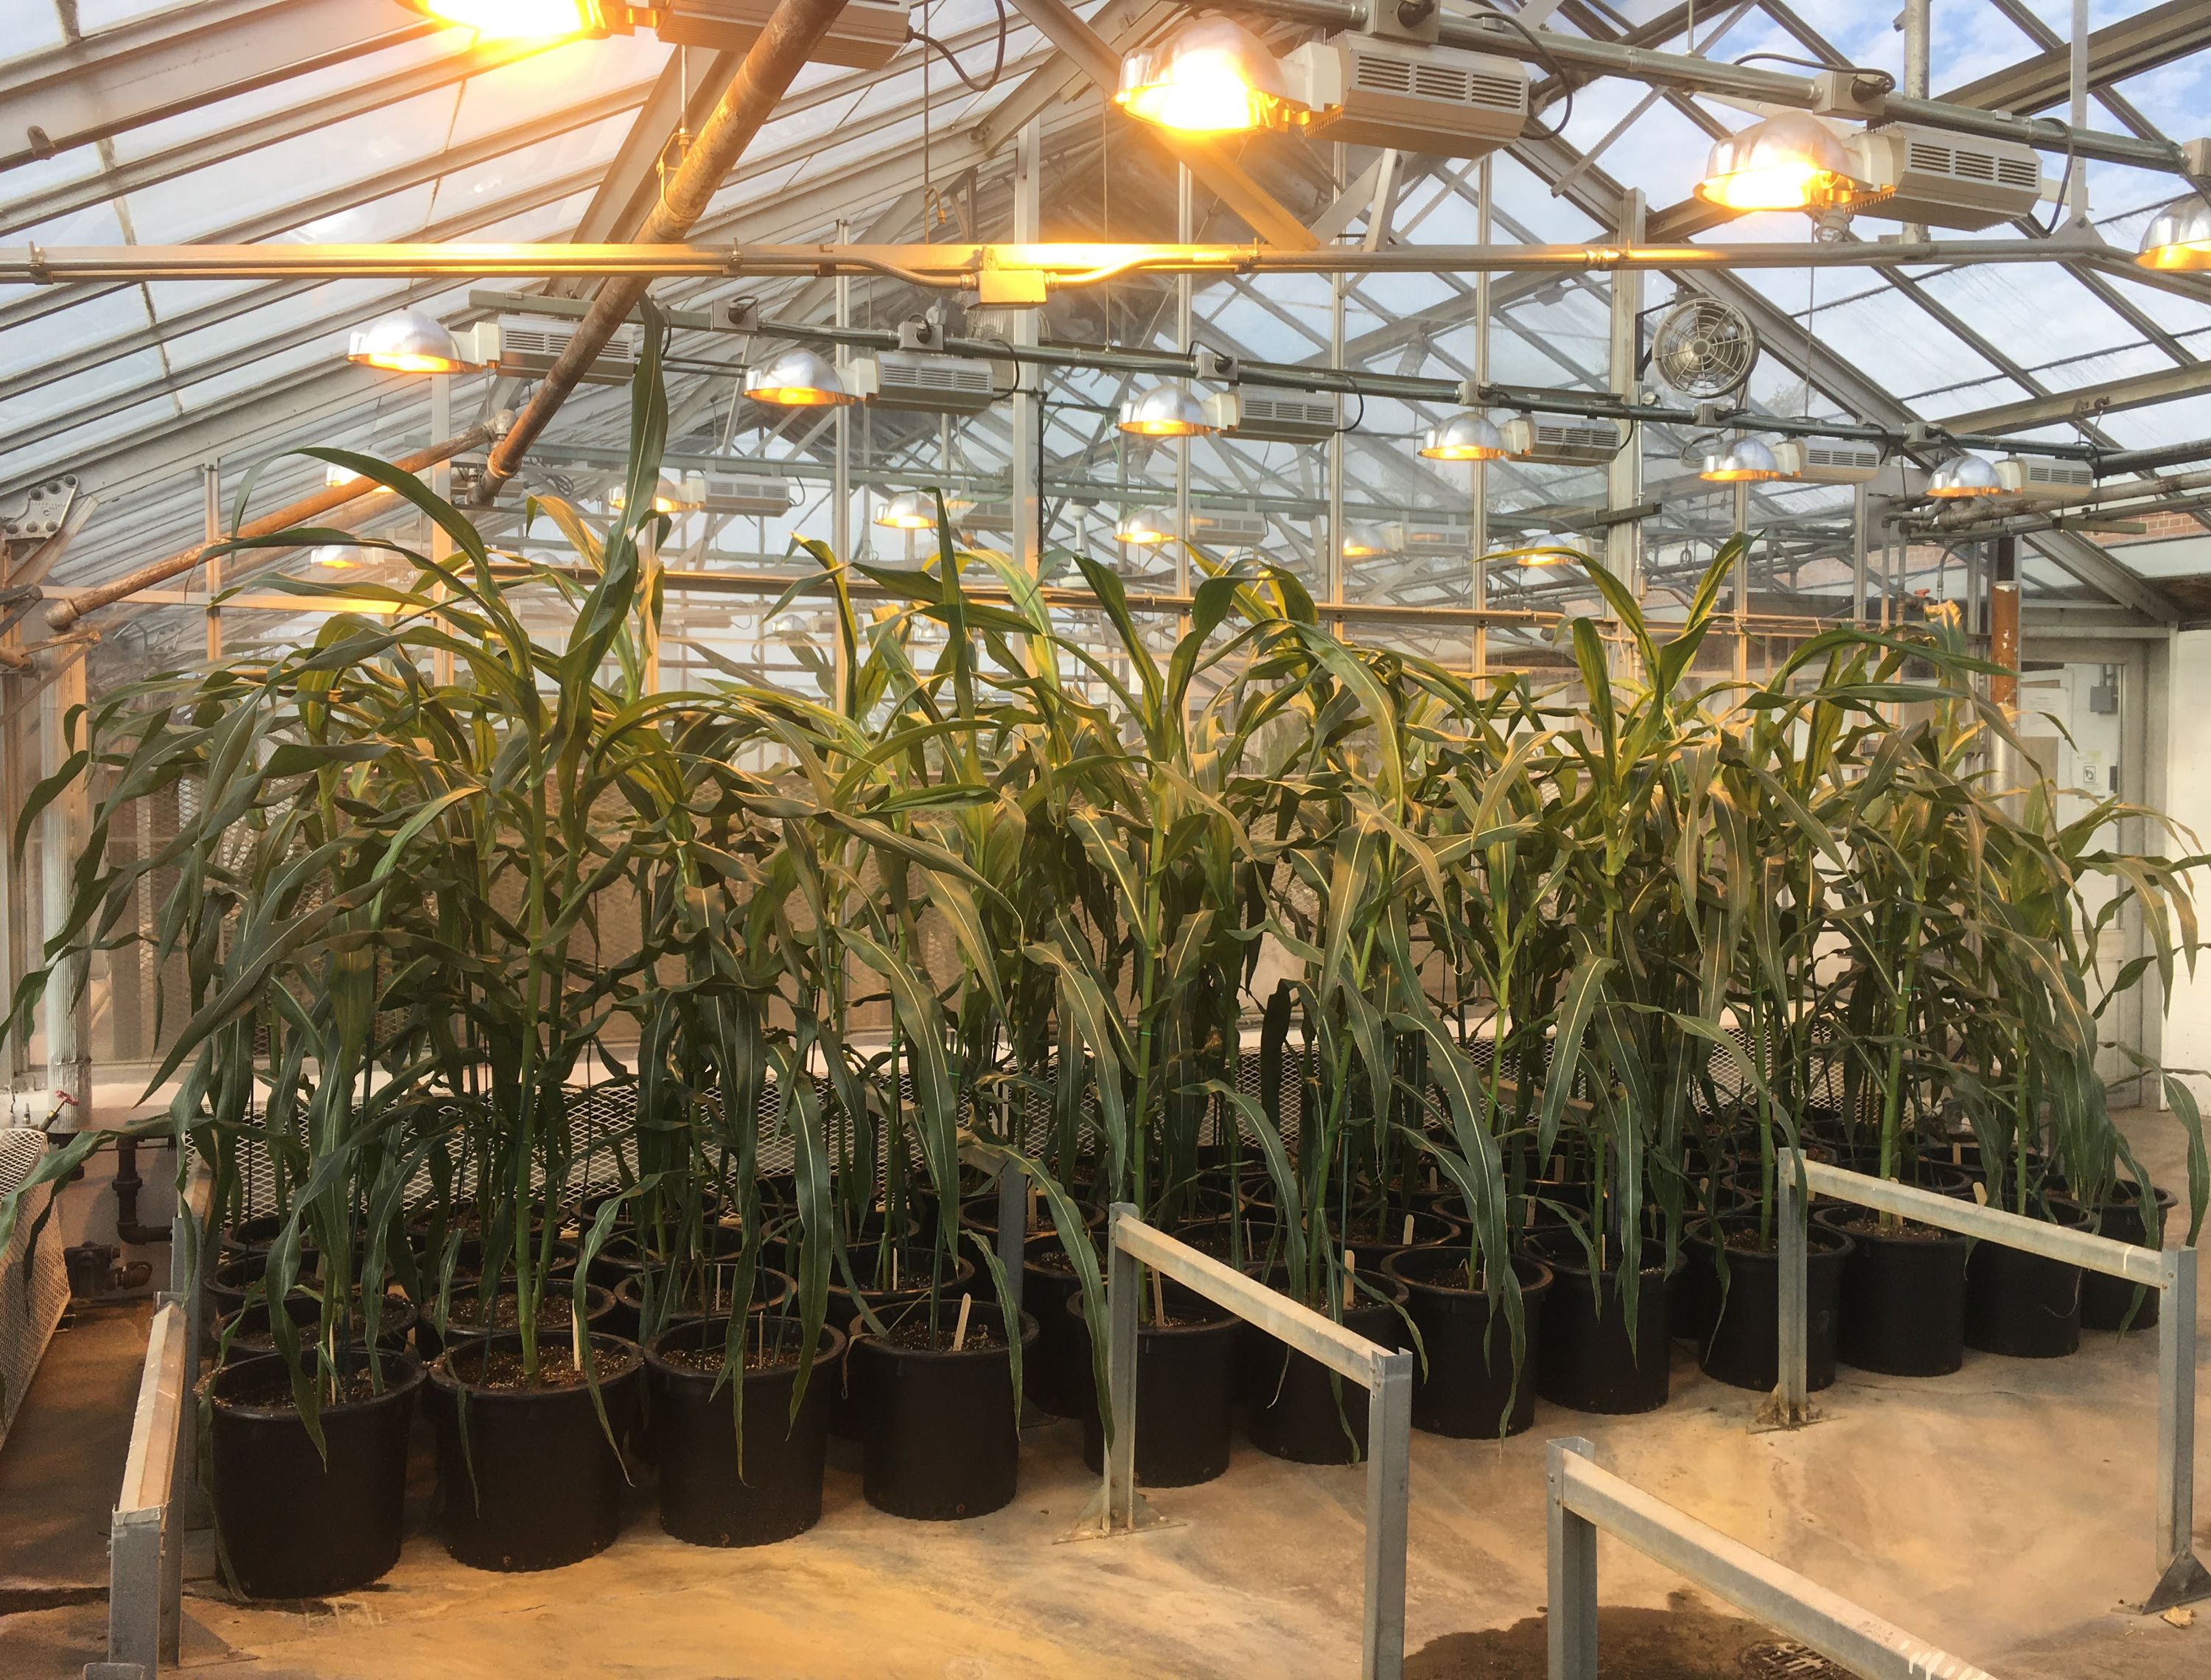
1439	100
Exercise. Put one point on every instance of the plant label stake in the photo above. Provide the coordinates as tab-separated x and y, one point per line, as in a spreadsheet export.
1350	1277
1409	1230
1159	1300
960	1330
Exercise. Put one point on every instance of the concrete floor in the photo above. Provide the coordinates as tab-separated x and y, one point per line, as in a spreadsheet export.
2003	1514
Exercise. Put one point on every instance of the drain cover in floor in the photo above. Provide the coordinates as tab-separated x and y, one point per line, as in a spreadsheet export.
1782	1660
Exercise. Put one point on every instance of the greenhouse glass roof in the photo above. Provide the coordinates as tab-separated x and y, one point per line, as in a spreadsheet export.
347	121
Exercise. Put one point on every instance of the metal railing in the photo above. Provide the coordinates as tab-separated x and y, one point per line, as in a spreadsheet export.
1585	1497
2182	1579
146	1532
1386	1375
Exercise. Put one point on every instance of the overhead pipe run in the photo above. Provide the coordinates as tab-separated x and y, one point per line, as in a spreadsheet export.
1004	274
770	64
66	613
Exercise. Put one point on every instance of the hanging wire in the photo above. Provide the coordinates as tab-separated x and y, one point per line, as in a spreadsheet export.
929	41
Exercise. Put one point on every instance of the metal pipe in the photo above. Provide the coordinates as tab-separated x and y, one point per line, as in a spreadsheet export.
770	65
63	614
957	267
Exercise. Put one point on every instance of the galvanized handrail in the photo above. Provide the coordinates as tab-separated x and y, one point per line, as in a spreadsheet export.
2182	1578
1585	1497
1387	1377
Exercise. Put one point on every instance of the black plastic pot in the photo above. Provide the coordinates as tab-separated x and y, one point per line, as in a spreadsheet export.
1586	1359
538	1483
251	1236
1903	1306
1303	1411
433	1339
1741	1346
1471	1388
2105	1301
2024	1305
251	1337
227	1284
294	1523
709	1494
939	1438
847	1402
625	1253
772	1290
1055	1373
1185	1384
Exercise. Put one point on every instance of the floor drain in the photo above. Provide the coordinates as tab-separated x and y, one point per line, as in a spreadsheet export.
1783	1661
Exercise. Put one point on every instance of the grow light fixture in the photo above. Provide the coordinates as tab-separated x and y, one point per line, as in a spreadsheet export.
405	342
1164	411
668	496
2178	236
2047	480
1466	437
1144	527
798	378
335	556
908	511
518	20
1554	549
1788	161
1963	477
1367	89
1362	543
1211	76
1745	461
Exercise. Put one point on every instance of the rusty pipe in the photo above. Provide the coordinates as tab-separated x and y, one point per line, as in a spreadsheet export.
770	65
66	613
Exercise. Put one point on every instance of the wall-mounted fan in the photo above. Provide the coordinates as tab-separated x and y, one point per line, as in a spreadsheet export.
1704	348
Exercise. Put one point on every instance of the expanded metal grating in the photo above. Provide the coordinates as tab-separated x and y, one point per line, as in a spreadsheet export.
1784	1661
31	1299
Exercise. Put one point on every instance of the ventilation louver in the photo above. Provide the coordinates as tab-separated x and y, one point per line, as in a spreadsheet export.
1560	442
1945	179
528	350
1827	461
744	494
1282	417
2046	480
1439	101
1226	530
904	380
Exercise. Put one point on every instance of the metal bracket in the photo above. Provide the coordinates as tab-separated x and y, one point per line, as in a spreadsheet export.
2185	1581
38	513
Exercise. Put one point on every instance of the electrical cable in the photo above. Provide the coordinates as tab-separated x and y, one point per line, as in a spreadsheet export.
1558	74
998	60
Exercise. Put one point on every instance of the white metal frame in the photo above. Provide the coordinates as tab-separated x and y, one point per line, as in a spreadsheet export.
1585	1497
146	1533
2182	1578
1386	1375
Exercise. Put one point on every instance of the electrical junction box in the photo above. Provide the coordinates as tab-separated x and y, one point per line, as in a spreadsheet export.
745	493
865	34
1943	179
1560	442
1439	100
1827	461
1282	417
2046	480
528	350
920	383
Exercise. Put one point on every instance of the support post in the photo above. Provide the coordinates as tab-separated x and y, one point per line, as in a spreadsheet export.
1013	1229
1572	1594
1623	555
1025	448
66	1011
2182	1578
1478	524
211	532
1332	577
1792	1399
1389	1493
1120	1287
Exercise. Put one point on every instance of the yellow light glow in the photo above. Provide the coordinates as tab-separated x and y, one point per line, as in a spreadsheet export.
1462	452
518	20
1780	186
1166	427
408	362
795	396
2189	254
1548	552
1206	96
1736	475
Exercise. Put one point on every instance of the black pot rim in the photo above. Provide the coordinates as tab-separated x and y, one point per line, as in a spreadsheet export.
1576	1268
1813	1232
630	1291
1222	1319
827	1352
1832	1215
414	1374
858	1336
442	1376
1419	1257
